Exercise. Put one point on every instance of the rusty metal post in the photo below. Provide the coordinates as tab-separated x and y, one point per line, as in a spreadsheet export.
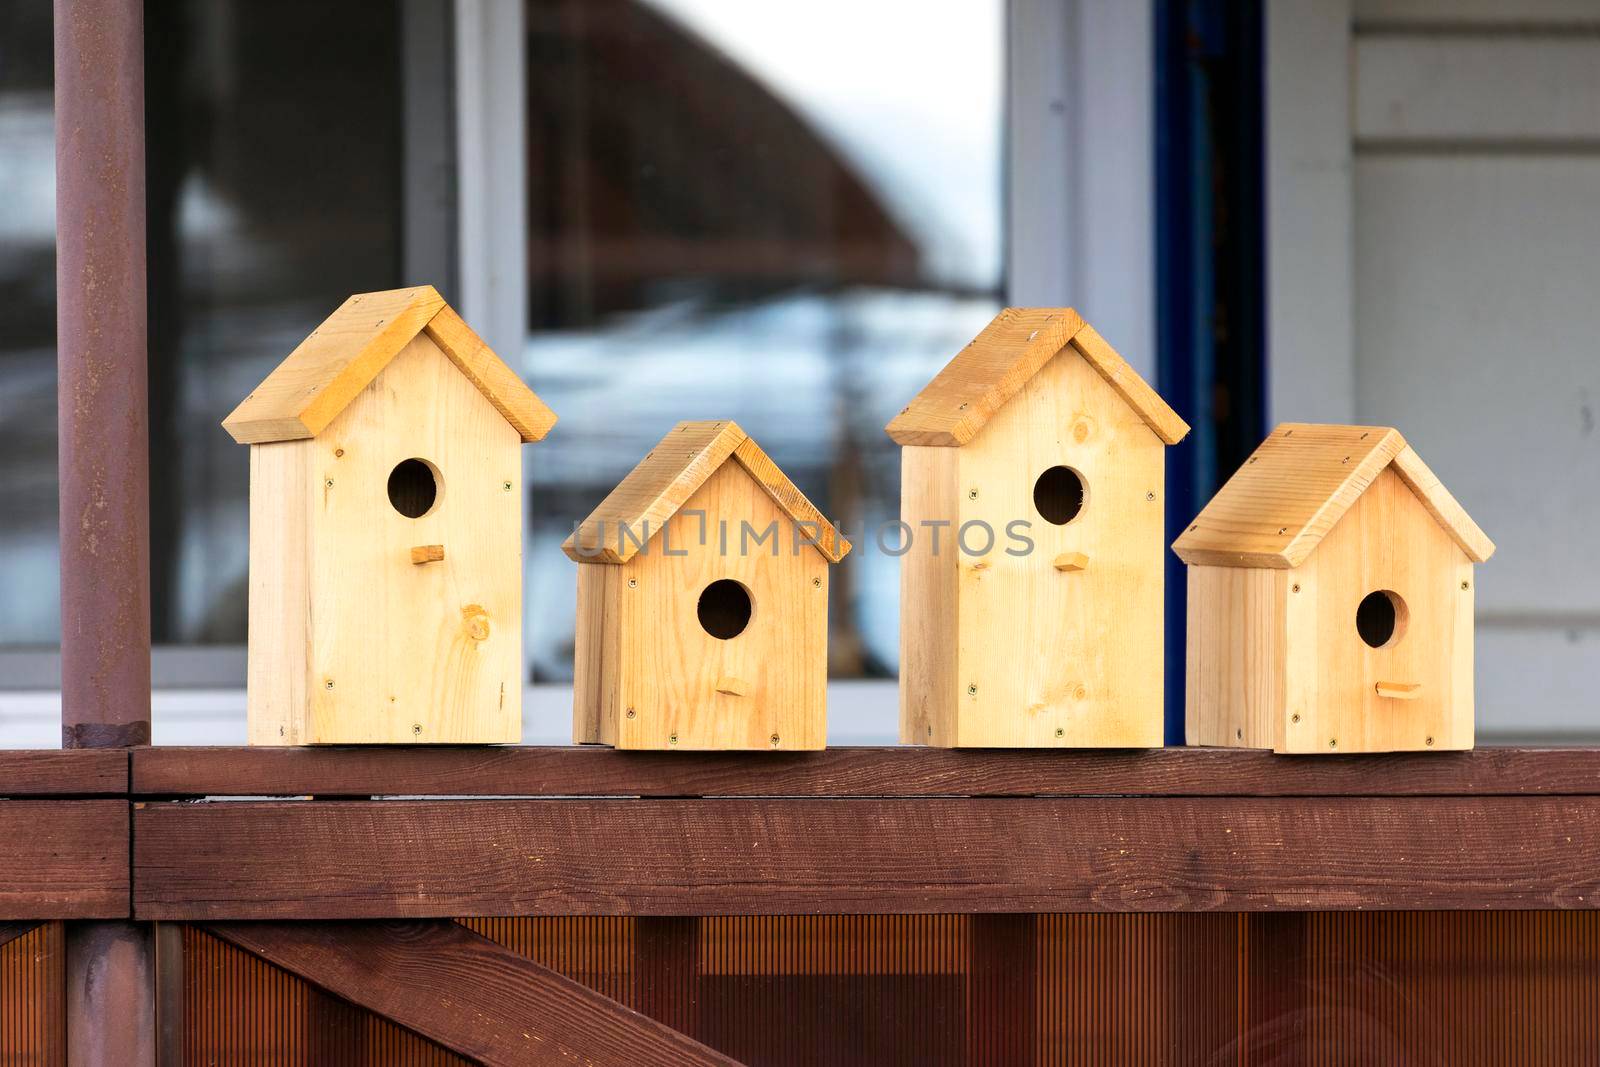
104	470
110	1010
100	345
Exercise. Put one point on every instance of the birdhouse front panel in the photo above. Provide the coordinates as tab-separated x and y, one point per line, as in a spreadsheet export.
1069	457
386	531
1379	652
1032	594
1331	597
417	531
713	633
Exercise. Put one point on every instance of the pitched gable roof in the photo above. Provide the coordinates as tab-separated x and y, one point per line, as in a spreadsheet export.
1279	506
324	373
670	474
991	370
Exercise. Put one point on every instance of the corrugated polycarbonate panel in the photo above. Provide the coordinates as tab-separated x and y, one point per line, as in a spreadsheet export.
240	1010
991	990
32	998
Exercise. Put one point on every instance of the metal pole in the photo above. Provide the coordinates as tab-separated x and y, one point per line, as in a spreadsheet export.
102	417
100	342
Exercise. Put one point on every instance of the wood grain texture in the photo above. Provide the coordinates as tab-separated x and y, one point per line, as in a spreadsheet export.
854	772
350	641
422	859
930	605
657	661
984	376
328	369
469	994
63	772
1234	691
1387	541
1043	657
1134	390
1442	506
64	859
1279	505
681	463
499	384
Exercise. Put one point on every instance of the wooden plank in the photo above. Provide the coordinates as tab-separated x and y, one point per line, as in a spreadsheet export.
468	994
1444	508
499	384
1387	542
63	772
378	649
853	772
1100	685
984	376
326	371
1279	506
426	859
672	472
1134	390
669	664
63	859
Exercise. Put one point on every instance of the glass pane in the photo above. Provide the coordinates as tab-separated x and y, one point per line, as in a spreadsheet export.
745	211
28	566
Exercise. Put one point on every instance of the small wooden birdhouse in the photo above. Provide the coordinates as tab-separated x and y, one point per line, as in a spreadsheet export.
703	602
1032	491
1330	600
386	531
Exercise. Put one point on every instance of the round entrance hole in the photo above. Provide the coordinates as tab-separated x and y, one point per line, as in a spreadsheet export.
414	487
1381	618
1058	495
724	609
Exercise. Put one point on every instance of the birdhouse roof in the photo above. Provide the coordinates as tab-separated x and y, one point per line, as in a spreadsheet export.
670	474
991	370
1279	506
327	370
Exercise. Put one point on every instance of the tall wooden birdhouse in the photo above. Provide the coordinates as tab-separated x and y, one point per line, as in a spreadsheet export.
703	602
1032	489
386	530
1330	600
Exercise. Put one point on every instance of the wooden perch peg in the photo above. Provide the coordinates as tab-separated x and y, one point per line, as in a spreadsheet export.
1071	561
1399	690
734	687
427	554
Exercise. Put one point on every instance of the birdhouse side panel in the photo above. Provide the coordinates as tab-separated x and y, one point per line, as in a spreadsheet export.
1061	638
929	573
723	628
416	598
1379	654
596	652
278	668
1234	666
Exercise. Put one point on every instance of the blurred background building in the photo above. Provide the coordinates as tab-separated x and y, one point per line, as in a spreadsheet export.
1381	211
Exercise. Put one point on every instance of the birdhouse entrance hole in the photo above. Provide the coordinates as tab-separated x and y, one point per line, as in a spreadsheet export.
1381	618
725	609
1058	495
414	487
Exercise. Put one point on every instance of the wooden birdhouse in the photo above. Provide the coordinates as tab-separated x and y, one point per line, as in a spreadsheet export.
1032	489
386	530
1330	600
703	602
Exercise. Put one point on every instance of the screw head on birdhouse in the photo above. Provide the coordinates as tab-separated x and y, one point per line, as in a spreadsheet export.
385	538
1031	612
1332	574
700	621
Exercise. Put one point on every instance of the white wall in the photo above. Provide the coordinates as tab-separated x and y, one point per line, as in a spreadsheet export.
1463	236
